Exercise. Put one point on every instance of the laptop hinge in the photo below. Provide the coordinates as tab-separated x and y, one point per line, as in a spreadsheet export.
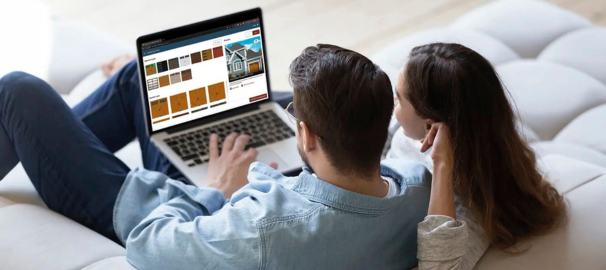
213	118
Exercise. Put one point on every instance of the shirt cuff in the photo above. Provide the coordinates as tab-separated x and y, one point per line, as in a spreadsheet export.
441	238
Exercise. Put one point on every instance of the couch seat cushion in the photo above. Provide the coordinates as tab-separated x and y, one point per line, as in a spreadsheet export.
589	129
578	244
32	237
114	263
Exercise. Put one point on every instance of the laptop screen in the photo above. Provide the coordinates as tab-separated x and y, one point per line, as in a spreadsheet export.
205	73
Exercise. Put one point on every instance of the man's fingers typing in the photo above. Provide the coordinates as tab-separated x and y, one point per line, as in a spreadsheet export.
240	143
228	143
214	147
252	153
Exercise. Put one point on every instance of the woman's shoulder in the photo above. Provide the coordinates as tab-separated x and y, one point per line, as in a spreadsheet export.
477	241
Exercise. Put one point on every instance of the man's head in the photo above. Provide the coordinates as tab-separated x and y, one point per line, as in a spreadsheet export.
343	103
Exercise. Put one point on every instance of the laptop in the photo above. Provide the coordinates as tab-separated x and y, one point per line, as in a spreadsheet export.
212	77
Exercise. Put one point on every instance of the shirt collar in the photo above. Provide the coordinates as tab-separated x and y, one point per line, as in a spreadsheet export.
328	194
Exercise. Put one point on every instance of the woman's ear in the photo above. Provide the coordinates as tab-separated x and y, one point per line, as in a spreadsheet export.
428	124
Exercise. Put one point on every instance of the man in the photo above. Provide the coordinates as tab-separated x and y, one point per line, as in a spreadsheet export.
344	211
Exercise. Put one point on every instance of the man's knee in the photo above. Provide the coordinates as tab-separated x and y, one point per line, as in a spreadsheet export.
19	86
129	76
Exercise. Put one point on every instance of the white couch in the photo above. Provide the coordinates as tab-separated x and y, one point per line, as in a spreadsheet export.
553	63
550	59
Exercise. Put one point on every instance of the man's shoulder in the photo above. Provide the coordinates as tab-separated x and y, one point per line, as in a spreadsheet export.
271	195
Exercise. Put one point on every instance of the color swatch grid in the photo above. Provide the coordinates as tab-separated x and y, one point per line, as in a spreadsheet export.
177	62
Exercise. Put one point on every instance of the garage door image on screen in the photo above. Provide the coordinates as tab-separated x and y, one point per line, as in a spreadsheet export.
244	58
178	103
159	108
197	97
150	69
216	92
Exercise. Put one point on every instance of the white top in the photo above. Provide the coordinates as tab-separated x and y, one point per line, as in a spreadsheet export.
443	242
394	189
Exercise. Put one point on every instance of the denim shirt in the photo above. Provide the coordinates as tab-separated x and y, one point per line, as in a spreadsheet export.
274	222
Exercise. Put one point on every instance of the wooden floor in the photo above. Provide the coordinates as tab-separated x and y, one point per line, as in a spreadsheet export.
291	25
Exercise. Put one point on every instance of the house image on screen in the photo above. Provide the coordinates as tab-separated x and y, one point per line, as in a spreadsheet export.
241	61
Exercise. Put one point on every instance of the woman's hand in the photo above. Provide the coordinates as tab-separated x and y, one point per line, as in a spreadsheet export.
441	201
227	172
438	137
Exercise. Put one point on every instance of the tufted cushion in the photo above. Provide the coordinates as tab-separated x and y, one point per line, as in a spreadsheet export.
67	67
566	174
548	96
393	57
525	26
31	42
570	150
526	133
589	130
584	49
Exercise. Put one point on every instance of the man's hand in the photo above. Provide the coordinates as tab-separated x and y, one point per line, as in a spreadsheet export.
227	172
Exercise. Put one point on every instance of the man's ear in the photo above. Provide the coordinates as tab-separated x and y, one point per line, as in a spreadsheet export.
308	138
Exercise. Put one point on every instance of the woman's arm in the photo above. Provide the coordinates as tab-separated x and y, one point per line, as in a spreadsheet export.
441	200
441	238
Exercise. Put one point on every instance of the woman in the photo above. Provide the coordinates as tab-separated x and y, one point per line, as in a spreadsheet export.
450	98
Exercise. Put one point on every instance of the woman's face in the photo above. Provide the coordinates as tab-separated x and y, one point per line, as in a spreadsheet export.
414	126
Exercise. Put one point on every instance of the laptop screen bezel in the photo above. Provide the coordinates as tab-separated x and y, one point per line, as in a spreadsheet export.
169	34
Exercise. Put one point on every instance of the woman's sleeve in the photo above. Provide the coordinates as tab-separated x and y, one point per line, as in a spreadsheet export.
447	243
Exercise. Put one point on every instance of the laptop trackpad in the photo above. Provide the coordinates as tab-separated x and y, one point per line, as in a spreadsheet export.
268	156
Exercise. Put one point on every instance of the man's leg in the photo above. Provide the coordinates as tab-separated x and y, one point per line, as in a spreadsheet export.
114	114
71	169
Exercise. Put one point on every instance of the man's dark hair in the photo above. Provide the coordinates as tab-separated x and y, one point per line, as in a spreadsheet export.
347	101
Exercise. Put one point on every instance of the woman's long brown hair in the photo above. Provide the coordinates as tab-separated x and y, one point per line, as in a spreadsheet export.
495	171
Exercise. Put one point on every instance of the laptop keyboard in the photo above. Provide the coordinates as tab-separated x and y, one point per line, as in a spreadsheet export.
263	128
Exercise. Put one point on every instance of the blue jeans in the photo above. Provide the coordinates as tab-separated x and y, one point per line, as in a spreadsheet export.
68	154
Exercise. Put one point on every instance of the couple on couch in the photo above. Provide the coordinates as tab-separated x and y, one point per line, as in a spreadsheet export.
347	209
